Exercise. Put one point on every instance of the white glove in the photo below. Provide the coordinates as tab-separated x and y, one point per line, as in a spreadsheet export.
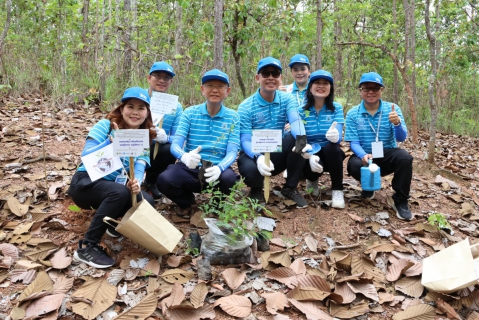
314	164
212	173
264	169
333	134
304	153
192	158
161	136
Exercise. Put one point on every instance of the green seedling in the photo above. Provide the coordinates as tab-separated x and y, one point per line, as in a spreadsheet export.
439	221
74	208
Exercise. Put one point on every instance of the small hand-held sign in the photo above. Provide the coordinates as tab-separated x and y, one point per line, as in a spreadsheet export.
131	143
266	141
161	104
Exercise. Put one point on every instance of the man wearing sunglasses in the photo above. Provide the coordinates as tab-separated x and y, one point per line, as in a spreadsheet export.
269	108
372	128
160	78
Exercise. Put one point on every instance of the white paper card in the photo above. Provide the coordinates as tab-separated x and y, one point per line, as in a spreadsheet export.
267	141
377	149
131	143
163	103
101	163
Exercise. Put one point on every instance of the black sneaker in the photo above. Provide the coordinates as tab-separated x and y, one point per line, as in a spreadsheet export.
367	194
402	209
93	255
153	190
257	194
112	232
294	195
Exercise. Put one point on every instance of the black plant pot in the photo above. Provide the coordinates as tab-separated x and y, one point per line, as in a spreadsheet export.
205	164
300	143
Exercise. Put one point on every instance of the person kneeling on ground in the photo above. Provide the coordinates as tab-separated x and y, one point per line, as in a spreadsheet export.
211	132
372	128
108	197
323	120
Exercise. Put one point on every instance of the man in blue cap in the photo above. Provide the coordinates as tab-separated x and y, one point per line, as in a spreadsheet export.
301	70
372	128
270	108
160	78
209	131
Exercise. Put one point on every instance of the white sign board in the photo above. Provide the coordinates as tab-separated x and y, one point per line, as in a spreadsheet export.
267	141
101	163
163	103
131	143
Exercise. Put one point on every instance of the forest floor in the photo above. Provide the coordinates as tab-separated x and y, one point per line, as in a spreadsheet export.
360	261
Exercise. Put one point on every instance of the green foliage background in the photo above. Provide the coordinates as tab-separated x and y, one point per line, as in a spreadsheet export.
44	48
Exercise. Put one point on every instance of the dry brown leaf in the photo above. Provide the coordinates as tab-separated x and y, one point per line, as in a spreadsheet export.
151	268
16	207
283	274
345	291
367	289
236	306
307	294
176	297
387	247
445	307
63	284
97	290
336	310
23	228
473	316
280	257
233	278
342	261
41	251
397	268
26	276
197	220
367	268
41	286
131	273
278	242
44	305
415	270
175	261
60	260
26	264
419	312
52	191
115	276
142	310
411	286
355	217
185	312
312	281
385	297
17	313
177	275
9	250
197	296
298	267
275	302
312	309
312	243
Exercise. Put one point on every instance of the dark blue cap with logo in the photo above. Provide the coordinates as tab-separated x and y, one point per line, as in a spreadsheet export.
215	74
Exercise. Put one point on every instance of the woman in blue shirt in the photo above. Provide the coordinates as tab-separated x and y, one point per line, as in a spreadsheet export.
323	121
108	197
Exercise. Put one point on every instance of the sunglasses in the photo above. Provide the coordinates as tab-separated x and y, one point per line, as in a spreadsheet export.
267	73
375	89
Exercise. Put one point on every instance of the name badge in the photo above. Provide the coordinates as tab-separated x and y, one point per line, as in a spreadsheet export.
121	179
377	149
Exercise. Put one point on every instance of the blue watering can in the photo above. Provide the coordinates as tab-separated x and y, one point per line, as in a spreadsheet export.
371	177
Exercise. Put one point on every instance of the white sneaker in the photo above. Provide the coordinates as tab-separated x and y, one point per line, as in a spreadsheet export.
312	185
338	199
285	174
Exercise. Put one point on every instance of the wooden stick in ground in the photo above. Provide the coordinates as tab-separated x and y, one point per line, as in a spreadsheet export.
266	178
132	177
157	144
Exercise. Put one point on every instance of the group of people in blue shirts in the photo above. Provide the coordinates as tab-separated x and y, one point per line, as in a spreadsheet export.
213	132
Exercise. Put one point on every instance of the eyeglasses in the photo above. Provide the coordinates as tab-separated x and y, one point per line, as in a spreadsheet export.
374	89
161	77
267	73
217	87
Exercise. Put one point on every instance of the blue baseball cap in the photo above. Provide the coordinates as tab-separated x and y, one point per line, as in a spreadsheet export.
162	66
371	77
137	93
321	74
269	61
215	74
298	58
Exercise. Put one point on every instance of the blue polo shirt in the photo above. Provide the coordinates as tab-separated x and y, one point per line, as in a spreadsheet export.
257	113
359	125
171	122
317	123
213	134
100	135
300	95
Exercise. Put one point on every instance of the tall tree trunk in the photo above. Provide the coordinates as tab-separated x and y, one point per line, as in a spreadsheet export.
235	42
338	70
319	35
178	34
218	53
395	51
410	39
84	58
8	20
127	57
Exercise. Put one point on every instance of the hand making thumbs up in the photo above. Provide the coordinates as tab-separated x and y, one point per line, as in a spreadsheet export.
192	158
393	117
333	134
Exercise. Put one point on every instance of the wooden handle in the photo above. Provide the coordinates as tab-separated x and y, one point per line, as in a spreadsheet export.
132	177
157	145
266	178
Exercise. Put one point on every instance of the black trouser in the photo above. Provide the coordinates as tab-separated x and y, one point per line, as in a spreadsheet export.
287	159
331	157
395	160
159	164
178	183
110	199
